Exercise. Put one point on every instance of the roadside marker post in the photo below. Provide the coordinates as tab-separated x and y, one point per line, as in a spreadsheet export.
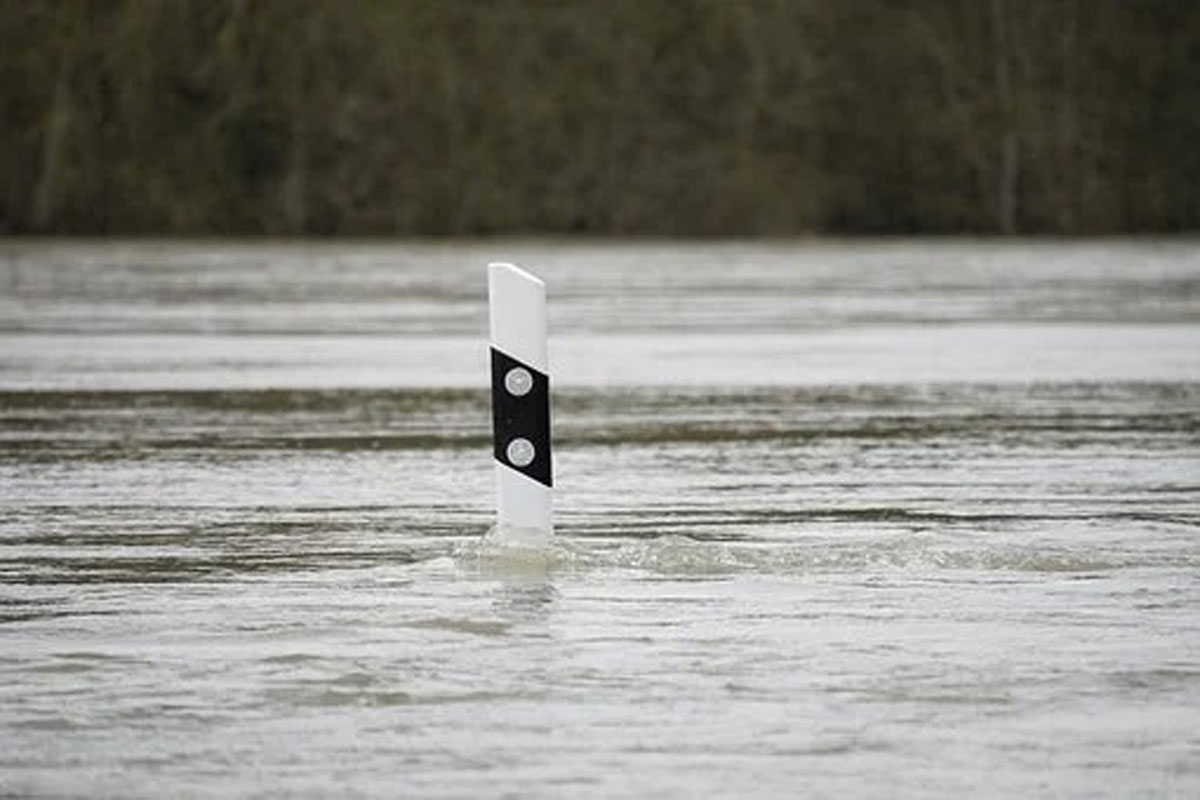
520	401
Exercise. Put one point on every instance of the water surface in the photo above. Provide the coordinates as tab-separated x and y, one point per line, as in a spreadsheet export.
835	519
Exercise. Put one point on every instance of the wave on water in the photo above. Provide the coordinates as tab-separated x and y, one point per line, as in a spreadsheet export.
538	553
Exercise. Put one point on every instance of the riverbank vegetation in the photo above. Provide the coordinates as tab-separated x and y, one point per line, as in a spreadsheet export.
661	117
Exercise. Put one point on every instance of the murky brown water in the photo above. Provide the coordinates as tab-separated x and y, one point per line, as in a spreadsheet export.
837	519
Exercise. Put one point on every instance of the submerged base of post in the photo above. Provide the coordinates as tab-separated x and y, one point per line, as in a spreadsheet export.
522	504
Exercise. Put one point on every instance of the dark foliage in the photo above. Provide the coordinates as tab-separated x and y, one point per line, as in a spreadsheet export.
687	117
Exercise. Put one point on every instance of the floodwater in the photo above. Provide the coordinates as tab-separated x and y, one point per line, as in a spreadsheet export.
833	519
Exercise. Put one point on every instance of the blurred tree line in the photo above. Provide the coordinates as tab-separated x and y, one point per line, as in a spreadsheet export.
674	117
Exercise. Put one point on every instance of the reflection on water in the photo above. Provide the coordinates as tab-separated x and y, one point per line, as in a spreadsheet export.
908	515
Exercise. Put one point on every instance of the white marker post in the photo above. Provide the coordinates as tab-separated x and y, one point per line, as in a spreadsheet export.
520	402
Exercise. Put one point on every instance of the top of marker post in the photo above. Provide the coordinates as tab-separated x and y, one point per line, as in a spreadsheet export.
517	306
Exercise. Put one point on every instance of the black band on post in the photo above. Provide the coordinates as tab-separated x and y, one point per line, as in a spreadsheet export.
521	417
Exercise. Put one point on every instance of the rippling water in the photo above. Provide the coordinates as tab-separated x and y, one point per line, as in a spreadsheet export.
834	519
